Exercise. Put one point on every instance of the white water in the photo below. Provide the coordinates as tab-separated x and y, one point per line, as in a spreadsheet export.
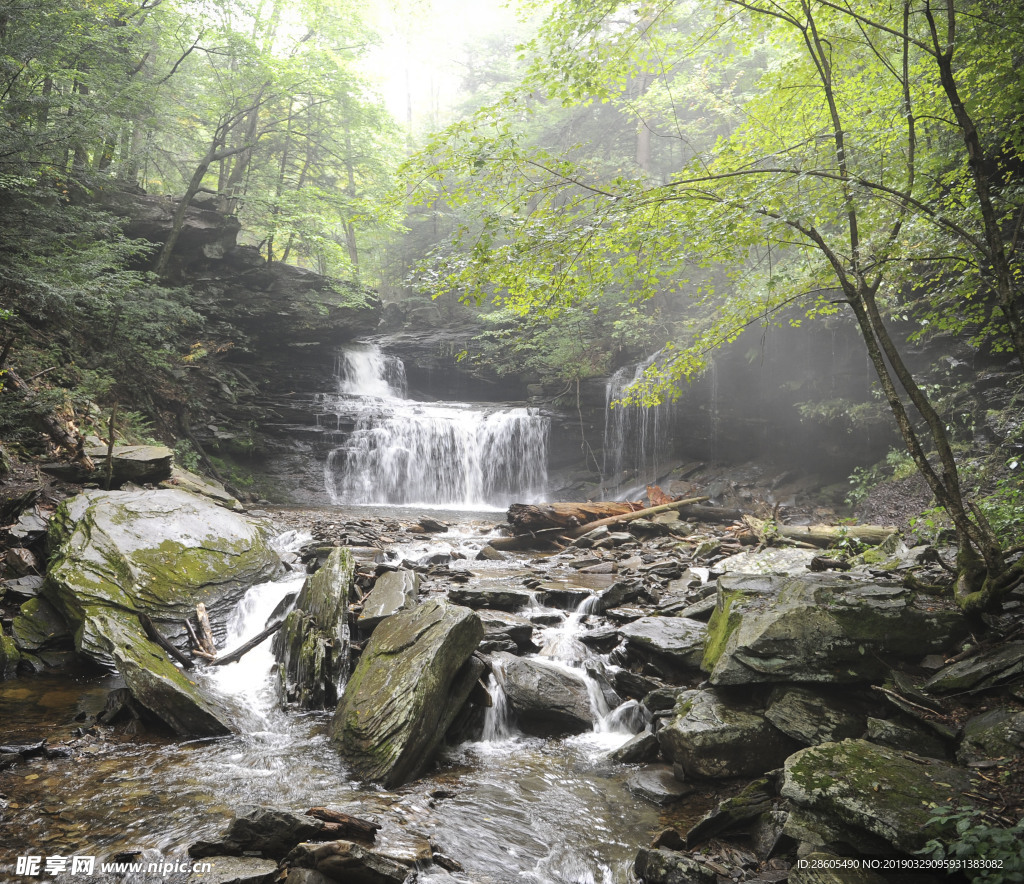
634	436
563	650
405	452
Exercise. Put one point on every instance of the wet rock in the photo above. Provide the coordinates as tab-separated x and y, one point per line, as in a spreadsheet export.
998	733
811	717
827	868
643	747
983	670
499	598
40	626
547	699
159	552
867	798
489	553
736	813
709	737
306	876
502	626
240	870
619	593
411	681
667	644
568	598
347	862
394	591
632	684
265	831
656	783
312	647
820	629
602	639
907	739
661	866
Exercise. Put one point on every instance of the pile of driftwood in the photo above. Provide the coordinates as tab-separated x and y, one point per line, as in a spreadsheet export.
555	525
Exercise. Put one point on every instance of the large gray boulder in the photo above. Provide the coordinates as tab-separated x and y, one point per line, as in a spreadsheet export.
154	552
312	647
546	699
666	643
857	796
393	591
820	629
119	555
412	679
710	737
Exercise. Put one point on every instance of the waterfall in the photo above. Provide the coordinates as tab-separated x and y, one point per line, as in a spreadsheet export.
401	451
636	437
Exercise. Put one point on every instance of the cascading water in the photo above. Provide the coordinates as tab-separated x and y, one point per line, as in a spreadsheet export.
636	437
440	454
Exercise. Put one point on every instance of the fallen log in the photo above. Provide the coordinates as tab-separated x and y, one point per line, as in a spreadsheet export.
711	514
526	518
242	650
343	825
154	635
820	535
638	514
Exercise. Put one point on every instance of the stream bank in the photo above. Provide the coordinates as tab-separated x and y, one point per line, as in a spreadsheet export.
505	804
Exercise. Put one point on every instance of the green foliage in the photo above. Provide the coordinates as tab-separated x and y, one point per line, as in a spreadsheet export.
897	465
1004	507
186	456
972	846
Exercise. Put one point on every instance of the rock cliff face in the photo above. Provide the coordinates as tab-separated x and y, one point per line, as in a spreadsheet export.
275	328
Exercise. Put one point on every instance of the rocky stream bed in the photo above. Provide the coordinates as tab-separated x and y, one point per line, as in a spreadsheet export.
657	702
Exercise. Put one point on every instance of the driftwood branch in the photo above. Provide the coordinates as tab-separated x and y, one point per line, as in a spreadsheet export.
638	514
154	635
242	650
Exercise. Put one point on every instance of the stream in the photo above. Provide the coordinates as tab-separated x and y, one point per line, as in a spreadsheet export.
513	808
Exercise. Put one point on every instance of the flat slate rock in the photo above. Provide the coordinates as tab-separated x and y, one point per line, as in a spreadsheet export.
656	783
980	671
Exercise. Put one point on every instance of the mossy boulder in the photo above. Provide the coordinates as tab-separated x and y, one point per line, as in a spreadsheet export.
857	796
154	552
998	733
412	679
312	648
166	693
39	626
817	628
709	736
10	656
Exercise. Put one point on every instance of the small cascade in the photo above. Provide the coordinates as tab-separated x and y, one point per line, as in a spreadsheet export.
636	437
498	717
401	451
563	650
